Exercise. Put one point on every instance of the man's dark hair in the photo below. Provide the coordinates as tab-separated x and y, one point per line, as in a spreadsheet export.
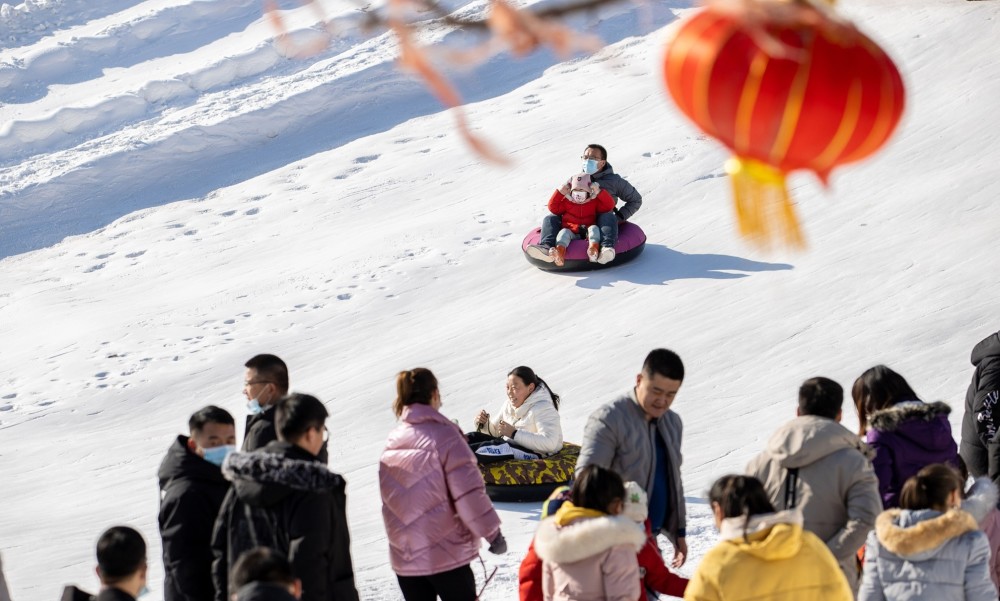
261	564
271	369
298	413
121	551
664	363
210	415
821	397
601	149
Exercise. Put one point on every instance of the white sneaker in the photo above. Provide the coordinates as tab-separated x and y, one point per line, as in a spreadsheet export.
540	252
607	255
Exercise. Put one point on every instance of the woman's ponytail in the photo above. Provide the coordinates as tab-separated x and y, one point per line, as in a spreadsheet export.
930	488
414	387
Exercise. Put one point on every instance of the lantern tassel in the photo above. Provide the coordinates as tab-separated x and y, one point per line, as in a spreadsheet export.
764	210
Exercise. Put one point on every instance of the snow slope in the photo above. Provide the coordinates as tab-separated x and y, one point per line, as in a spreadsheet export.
176	196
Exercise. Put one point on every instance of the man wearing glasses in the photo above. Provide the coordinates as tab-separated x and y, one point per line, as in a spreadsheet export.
595	164
265	382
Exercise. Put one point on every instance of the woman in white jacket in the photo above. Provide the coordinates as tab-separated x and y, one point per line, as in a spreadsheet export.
529	418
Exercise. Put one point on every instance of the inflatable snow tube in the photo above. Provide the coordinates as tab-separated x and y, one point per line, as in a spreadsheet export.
525	480
631	241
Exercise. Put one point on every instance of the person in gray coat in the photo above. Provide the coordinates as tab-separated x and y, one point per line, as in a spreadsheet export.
929	549
639	437
820	467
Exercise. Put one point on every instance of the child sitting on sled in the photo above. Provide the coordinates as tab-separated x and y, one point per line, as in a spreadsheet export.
574	208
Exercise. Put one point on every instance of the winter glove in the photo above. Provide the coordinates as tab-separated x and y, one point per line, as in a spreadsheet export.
498	546
618	214
565	189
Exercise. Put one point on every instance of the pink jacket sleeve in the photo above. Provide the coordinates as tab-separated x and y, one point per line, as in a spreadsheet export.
466	488
621	574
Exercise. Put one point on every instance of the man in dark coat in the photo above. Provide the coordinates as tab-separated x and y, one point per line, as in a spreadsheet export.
981	424
192	489
121	566
265	382
283	497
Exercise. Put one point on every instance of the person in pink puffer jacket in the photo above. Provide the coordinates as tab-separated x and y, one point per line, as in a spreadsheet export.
434	501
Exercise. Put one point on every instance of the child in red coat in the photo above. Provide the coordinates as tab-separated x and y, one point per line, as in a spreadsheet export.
656	576
578	203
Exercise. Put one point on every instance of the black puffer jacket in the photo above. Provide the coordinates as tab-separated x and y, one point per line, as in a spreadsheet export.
284	498
260	430
191	493
981	423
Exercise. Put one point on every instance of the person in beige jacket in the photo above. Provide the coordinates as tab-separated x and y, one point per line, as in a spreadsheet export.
816	465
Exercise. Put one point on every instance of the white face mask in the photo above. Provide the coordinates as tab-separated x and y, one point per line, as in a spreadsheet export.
580	196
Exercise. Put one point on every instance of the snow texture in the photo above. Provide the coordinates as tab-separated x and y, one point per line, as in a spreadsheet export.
177	195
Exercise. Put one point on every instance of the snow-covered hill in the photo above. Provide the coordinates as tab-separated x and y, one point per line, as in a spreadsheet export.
177	196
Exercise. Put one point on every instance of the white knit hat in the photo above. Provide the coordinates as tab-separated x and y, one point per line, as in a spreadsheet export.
636	508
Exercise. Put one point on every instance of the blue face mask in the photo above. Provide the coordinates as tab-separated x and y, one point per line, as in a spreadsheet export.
216	455
144	591
589	166
253	407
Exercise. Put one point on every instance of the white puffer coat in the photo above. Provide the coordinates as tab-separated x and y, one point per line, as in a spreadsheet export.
536	420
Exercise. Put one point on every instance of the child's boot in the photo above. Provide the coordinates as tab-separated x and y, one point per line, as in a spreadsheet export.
558	254
607	255
593	251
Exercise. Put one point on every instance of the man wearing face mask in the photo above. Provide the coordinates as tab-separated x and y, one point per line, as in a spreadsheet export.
595	164
265	382
192	489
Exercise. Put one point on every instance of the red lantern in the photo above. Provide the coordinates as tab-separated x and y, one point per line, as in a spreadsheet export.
786	87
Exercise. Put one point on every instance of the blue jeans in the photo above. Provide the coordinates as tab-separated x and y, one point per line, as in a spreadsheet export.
551	225
566	236
608	222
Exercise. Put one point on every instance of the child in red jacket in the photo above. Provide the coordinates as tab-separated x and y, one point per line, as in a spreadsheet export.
656	576
578	203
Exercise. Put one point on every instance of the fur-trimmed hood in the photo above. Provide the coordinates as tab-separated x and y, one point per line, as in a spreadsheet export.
585	538
768	536
891	418
917	535
265	477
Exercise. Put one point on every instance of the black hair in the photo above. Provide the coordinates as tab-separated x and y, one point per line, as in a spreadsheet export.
209	415
740	496
414	387
298	413
271	369
821	397
879	387
664	363
596	487
603	150
261	564
930	488
121	552
528	376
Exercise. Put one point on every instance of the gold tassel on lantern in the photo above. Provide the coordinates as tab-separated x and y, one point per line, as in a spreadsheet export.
764	209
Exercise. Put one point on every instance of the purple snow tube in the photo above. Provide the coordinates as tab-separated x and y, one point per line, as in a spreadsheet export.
631	241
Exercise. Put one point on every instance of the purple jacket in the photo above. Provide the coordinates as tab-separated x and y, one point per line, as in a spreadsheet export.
906	437
434	501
